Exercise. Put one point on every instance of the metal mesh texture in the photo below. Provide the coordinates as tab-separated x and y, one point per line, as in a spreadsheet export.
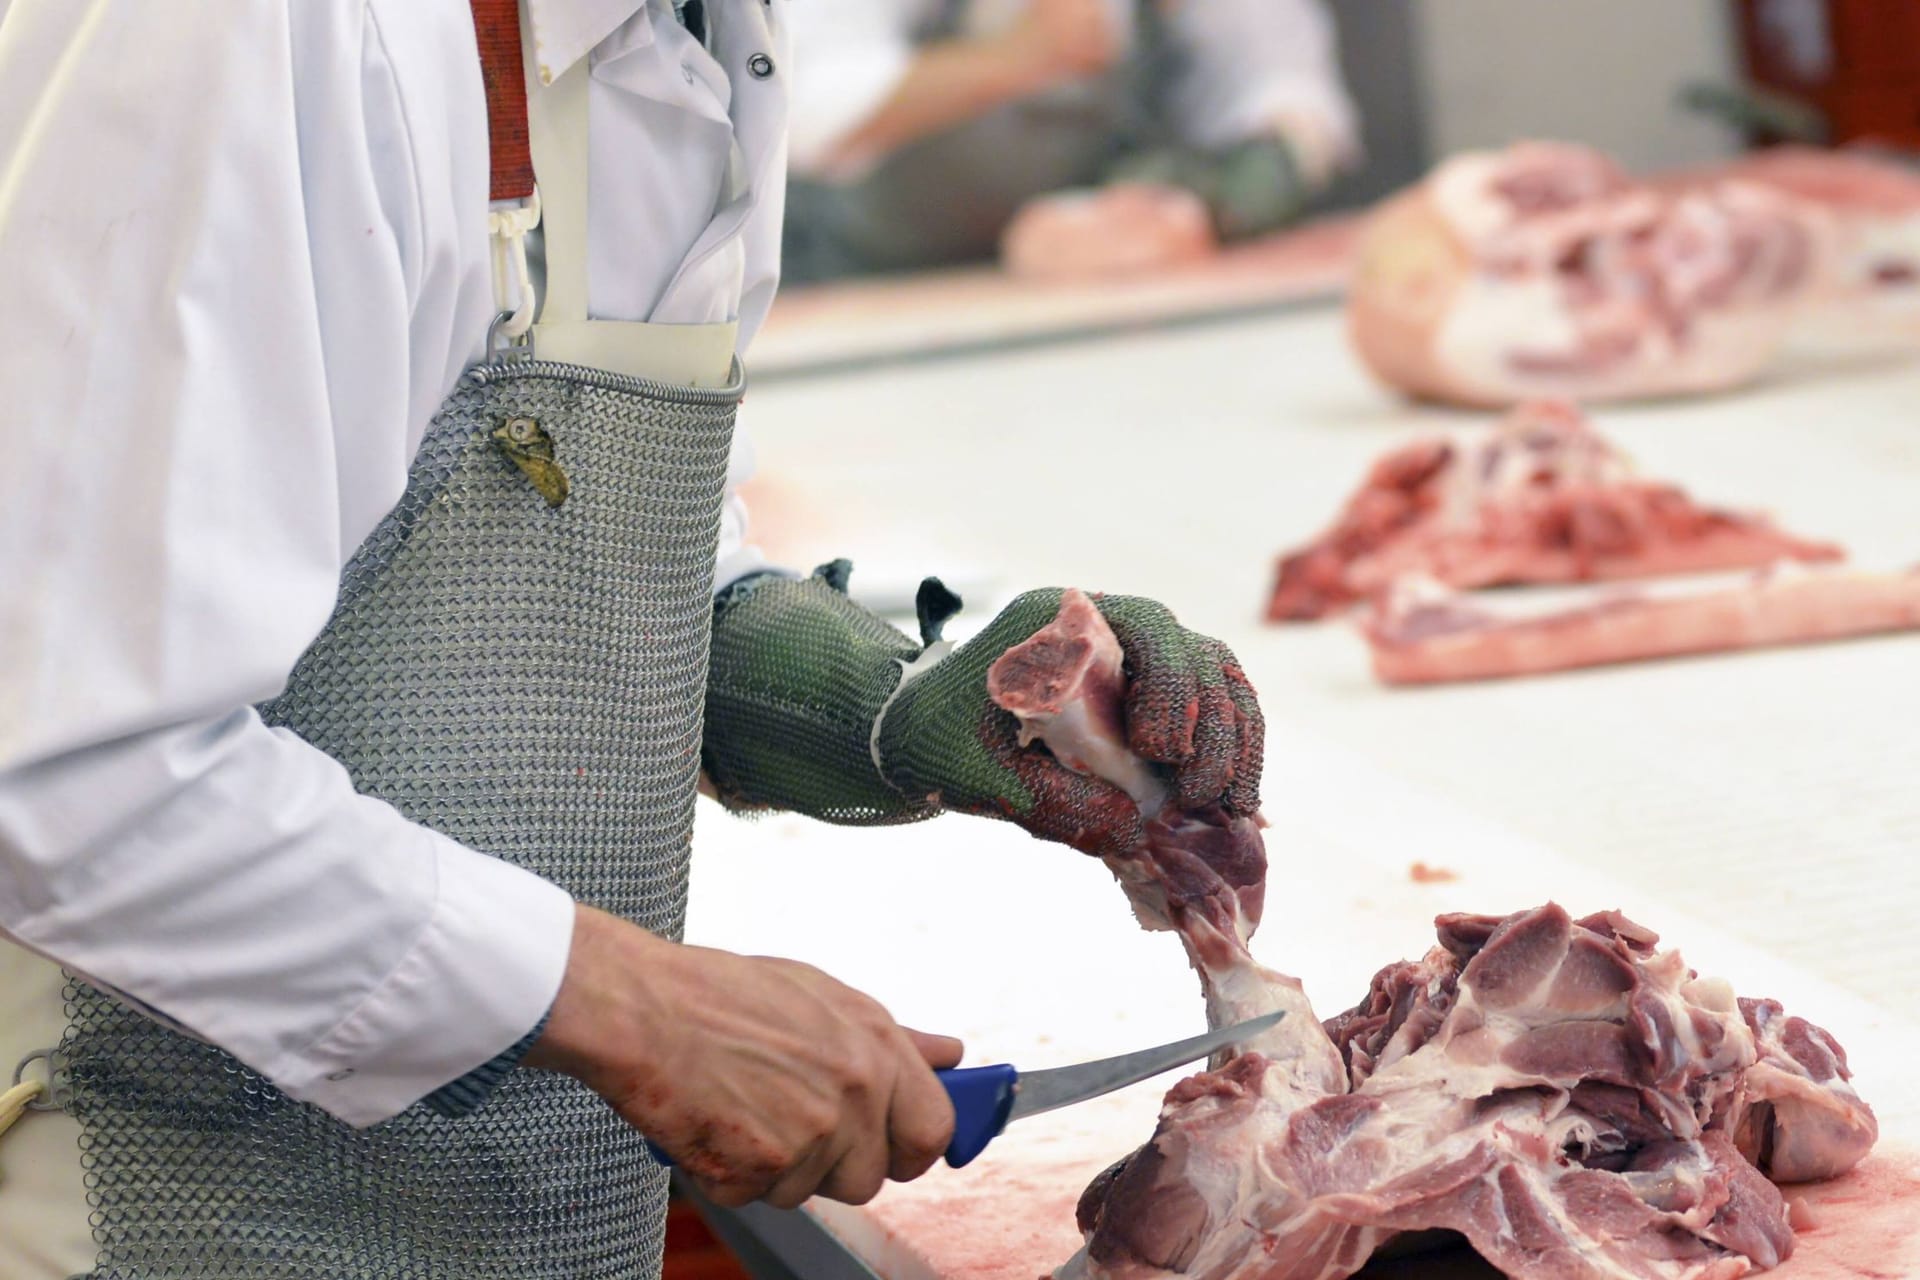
799	672
528	681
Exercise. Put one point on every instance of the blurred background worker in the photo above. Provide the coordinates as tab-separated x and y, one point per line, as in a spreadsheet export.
923	128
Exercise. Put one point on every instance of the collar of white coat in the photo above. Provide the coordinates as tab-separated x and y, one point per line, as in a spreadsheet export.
564	30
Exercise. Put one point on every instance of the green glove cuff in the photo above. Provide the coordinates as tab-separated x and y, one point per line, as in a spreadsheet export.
798	674
1255	186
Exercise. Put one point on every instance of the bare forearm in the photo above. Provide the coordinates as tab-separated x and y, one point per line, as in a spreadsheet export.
946	85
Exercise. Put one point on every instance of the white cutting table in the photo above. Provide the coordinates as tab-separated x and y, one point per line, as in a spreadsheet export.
1762	811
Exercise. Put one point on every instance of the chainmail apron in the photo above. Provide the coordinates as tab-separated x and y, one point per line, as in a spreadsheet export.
946	199
528	680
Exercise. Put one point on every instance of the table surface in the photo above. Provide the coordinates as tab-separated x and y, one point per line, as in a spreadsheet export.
1760	810
860	322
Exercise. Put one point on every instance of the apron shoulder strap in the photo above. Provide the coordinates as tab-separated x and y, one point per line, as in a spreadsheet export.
496	24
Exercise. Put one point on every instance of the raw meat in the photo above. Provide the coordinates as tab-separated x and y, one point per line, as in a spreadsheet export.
1119	230
1201	874
1576	1103
1873	291
1425	633
1542	497
1545	270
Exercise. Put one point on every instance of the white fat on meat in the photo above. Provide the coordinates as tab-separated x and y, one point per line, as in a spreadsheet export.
1425	633
1543	270
1576	1103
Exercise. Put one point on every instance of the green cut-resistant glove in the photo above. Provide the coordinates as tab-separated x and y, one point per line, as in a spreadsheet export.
800	673
1189	707
1249	188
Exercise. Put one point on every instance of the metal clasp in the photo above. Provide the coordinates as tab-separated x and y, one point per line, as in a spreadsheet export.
28	1095
503	345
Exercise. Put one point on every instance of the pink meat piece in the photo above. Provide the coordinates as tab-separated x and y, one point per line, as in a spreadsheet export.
1201	874
1874	209
1576	1103
1425	633
1542	497
1543	270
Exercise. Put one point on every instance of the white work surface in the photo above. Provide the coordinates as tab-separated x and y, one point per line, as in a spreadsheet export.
1761	811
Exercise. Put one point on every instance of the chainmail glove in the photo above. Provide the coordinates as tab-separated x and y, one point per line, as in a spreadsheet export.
1255	186
1189	707
801	676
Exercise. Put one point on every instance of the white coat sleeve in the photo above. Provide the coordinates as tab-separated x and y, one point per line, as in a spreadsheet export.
213	243
848	58
1250	66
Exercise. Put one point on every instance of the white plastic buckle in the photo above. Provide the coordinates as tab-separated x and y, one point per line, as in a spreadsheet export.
507	229
909	672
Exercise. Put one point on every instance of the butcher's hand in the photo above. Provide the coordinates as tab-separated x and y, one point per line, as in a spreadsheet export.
1189	707
764	1079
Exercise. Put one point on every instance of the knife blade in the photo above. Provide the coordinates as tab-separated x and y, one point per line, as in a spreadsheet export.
987	1099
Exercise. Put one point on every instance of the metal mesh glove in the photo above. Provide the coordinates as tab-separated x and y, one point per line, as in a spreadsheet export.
1189	706
798	673
1255	186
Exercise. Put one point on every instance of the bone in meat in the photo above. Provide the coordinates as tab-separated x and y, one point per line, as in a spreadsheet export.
1200	874
1575	1102
1426	634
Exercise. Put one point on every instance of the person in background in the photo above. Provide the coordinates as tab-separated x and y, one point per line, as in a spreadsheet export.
1118	133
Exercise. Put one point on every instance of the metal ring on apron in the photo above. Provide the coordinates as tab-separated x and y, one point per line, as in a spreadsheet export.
47	1101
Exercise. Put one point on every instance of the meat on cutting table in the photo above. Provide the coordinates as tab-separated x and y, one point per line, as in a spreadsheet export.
1575	1102
1541	497
1873	288
1544	270
1424	633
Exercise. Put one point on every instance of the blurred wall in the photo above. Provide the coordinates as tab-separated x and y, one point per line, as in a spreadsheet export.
1605	72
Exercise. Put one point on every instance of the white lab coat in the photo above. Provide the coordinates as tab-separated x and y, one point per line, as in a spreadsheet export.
244	257
1246	67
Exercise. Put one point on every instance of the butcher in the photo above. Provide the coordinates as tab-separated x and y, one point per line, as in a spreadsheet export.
1103	134
376	598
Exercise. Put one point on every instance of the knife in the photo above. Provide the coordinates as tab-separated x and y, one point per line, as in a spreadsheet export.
987	1099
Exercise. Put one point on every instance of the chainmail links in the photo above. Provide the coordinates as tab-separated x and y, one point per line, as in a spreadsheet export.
798	674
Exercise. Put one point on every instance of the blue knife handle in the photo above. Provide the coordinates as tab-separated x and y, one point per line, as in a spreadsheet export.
982	1098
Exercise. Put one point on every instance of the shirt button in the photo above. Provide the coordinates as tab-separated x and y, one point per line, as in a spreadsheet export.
344	1074
760	66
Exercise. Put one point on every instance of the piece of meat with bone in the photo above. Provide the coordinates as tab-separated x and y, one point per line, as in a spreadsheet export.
1425	633
1576	1103
1543	270
1873	290
1571	1099
1541	497
1200	874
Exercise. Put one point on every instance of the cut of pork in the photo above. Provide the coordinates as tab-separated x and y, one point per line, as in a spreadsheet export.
1873	289
1424	633
1201	874
1543	270
1539	498
1575	1102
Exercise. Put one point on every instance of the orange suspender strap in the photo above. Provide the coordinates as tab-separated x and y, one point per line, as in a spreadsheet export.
496	23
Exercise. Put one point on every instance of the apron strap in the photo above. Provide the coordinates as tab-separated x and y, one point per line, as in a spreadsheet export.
557	133
496	25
